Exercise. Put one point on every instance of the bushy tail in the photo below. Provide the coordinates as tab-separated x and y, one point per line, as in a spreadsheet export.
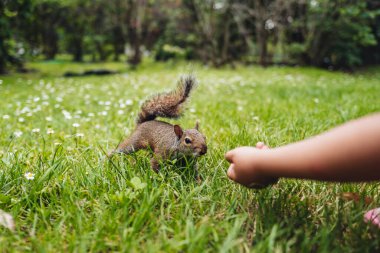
167	105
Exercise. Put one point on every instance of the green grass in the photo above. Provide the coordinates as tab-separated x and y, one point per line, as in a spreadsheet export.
78	201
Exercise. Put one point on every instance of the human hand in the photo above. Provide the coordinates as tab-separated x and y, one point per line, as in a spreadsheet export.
245	167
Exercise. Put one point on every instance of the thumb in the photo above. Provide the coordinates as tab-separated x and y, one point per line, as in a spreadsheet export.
231	172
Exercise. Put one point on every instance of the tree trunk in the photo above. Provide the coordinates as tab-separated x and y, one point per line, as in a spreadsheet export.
3	57
261	33
134	39
118	44
50	44
262	43
134	30
116	52
78	50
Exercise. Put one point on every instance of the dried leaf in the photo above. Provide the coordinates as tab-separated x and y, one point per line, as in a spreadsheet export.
6	220
356	197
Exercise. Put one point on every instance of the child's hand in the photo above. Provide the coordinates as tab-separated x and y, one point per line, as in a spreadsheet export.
245	168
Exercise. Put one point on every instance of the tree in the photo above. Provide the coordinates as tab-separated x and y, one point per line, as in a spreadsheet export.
339	30
13	15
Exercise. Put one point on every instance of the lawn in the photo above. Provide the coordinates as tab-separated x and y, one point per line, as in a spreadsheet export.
59	128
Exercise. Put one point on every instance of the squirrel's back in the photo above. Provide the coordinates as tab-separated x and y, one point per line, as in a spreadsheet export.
167	105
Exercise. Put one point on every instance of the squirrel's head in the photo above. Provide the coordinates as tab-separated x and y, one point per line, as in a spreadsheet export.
191	141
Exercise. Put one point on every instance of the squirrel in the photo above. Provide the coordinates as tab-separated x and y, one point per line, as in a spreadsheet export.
167	141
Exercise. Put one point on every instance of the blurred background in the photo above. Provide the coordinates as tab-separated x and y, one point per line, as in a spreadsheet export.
341	34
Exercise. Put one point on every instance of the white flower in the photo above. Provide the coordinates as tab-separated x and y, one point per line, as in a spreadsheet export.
25	109
269	24
76	125
66	114
49	118
50	131
129	102
107	103
17	133
29	175
240	108
192	110
289	78
80	135
313	3
218	5
35	130
21	119
91	114
6	116
7	220
120	112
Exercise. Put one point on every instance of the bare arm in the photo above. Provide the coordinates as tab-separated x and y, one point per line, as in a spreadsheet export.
350	152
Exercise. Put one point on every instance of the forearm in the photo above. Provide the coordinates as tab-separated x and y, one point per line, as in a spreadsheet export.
350	152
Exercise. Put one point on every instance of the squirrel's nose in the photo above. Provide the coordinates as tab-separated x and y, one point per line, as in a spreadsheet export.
203	150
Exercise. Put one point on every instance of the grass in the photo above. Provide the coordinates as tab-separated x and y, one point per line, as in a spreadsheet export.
78	201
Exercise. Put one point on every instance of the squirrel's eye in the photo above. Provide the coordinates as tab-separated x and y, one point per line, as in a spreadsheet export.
187	140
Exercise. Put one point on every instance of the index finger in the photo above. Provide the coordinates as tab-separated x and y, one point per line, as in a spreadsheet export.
229	156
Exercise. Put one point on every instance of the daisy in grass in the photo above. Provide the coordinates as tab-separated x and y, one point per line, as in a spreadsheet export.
17	134
29	175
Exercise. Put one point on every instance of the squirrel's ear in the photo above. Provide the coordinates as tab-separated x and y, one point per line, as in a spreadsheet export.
178	131
197	125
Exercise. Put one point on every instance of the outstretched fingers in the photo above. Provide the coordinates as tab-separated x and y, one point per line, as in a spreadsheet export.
261	145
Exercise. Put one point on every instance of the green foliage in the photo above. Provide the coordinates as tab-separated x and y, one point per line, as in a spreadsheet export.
344	30
12	17
296	52
333	34
79	201
167	52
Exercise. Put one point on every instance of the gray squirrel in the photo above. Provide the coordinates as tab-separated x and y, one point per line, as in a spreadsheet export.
167	141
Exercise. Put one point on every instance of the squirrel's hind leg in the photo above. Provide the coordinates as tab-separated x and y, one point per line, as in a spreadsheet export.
128	146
